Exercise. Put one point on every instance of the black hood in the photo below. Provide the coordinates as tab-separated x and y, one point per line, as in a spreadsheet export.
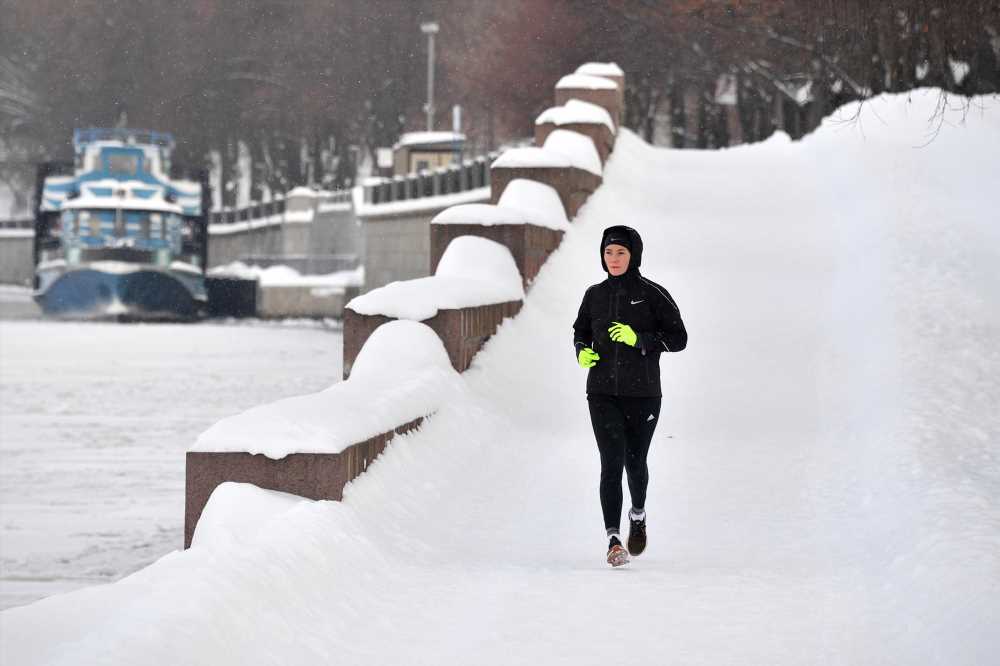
635	243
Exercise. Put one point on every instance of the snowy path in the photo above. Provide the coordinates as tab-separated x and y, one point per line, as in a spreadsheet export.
94	422
825	486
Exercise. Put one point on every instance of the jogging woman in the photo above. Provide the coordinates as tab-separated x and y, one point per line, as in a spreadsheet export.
624	324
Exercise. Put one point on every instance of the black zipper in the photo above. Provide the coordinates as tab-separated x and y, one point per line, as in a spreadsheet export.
617	367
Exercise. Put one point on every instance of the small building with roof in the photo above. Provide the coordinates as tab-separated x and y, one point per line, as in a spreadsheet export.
416	151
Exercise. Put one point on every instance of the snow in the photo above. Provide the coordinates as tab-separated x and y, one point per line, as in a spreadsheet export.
522	202
299	216
236	512
184	266
302	191
600	69
17	233
486	215
281	275
473	271
537	198
531	157
418	206
422	138
576	111
85	201
562	153
578	148
825	487
585	82
402	373
959	70
247	225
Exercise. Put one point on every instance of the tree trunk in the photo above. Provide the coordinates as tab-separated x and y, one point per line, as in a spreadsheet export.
692	115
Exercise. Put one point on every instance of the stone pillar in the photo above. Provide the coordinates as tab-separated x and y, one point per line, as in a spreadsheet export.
463	331
530	245
573	185
608	98
618	79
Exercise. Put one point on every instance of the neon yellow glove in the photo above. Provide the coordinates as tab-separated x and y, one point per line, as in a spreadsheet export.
623	333
587	358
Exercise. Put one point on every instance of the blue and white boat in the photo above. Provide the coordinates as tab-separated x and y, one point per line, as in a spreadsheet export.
119	238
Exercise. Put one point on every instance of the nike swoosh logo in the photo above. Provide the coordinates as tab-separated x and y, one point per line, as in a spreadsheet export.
636	302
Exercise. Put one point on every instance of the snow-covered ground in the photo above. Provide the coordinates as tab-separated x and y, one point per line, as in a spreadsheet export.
94	422
825	480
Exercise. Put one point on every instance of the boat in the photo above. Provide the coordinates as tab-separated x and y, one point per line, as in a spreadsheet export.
115	236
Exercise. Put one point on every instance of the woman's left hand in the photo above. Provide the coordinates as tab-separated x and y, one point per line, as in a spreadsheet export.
623	333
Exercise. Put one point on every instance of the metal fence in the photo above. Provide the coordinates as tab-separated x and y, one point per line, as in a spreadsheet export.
258	211
469	175
25	223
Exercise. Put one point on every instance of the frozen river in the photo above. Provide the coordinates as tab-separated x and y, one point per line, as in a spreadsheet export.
94	422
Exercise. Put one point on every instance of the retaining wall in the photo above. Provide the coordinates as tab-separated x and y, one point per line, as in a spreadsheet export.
318	476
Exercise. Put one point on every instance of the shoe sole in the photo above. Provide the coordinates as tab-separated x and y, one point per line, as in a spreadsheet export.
635	552
618	559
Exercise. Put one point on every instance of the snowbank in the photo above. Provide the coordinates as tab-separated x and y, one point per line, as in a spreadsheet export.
473	271
236	512
402	373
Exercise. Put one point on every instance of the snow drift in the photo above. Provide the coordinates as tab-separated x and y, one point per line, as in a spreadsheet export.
825	482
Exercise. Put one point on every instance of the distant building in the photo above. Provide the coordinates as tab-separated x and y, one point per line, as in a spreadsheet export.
416	151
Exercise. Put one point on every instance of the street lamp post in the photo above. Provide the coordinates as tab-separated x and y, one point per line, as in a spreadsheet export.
430	29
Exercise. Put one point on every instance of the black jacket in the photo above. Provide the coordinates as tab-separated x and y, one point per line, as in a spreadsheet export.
650	311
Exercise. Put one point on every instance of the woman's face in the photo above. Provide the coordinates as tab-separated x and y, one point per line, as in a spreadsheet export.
617	258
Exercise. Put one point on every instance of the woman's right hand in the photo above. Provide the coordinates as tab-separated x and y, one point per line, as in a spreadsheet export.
587	358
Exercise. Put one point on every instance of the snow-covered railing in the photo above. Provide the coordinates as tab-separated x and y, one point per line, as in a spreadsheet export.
313	445
469	175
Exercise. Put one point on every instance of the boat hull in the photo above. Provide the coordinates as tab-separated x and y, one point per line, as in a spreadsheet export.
138	293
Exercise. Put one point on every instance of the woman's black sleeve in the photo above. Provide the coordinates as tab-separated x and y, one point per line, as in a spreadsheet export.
670	334
582	335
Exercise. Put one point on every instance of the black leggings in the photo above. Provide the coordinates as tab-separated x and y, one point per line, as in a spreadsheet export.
623	429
